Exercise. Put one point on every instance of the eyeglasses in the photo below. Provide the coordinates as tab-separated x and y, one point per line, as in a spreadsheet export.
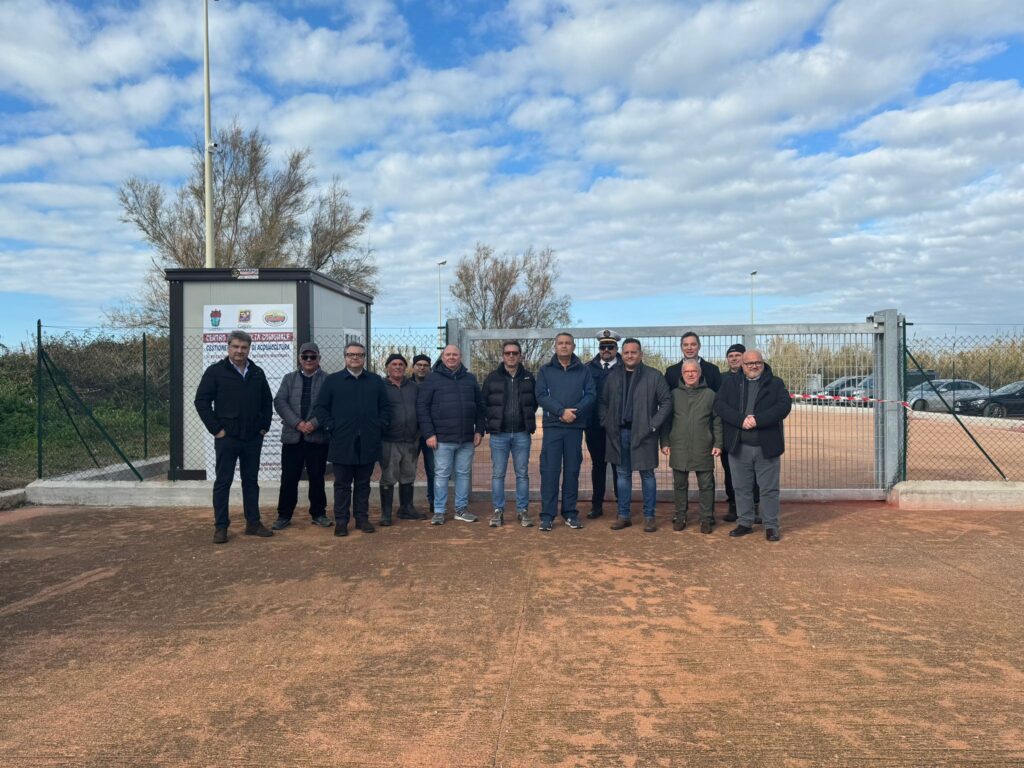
512	352
355	354
754	364
606	346
308	357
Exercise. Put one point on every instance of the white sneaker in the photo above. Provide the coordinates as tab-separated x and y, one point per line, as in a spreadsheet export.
465	516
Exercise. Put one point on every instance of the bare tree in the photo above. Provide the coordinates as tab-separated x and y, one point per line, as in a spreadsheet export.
263	217
510	291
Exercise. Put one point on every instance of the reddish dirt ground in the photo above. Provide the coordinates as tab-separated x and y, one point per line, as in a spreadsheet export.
866	636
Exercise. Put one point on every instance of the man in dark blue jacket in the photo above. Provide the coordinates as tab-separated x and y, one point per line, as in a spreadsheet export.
353	408
604	362
452	418
752	407
566	392
234	401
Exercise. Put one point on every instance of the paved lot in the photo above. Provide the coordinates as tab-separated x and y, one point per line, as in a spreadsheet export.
866	637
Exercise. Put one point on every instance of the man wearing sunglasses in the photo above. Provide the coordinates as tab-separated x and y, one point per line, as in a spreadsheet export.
511	420
353	407
303	442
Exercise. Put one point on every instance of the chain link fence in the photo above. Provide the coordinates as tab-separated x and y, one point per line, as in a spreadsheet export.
82	400
90	399
968	422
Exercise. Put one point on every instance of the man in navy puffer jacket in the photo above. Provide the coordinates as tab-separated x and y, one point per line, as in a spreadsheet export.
450	408
566	392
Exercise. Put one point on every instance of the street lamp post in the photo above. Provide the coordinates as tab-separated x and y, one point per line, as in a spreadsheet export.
752	296
440	264
208	153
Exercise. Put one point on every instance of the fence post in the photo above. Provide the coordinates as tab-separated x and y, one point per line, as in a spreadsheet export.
889	432
39	399
145	399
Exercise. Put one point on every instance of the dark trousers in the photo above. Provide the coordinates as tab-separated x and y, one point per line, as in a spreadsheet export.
561	454
428	469
596	447
246	453
295	456
345	497
730	493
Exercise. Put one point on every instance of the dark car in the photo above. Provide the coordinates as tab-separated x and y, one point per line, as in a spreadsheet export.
1005	401
834	388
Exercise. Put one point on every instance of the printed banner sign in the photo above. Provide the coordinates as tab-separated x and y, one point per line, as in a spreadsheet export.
272	327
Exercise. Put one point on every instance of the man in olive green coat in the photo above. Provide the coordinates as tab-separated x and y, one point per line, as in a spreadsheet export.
692	445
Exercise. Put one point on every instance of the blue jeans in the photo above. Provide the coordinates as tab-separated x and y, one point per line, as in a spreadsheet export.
561	453
449	457
518	444
624	479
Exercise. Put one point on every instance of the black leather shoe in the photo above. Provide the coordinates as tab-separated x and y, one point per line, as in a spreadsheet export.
220	535
366	527
341	530
258	529
731	516
594	514
772	534
740	530
705	526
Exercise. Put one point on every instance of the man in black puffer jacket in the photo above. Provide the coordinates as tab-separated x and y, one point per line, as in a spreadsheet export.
511	419
450	408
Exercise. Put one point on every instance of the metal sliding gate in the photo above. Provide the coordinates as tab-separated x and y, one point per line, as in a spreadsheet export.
851	447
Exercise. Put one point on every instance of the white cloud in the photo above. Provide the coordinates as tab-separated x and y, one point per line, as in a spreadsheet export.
669	146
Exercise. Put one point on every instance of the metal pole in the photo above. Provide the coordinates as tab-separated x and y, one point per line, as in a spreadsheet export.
39	399
440	344
208	151
752	296
145	399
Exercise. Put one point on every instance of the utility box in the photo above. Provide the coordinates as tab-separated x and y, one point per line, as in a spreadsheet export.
281	309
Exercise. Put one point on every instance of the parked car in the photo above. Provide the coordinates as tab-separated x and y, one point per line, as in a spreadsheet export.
1005	401
866	388
924	398
833	388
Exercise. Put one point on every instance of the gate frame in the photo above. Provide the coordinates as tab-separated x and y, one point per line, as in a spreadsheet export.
885	325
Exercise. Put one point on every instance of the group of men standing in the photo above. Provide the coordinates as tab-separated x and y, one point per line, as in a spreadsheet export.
627	411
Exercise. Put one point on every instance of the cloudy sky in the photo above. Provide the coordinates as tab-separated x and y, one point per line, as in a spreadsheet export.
859	154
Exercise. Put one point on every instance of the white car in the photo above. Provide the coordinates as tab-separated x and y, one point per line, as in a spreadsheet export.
924	398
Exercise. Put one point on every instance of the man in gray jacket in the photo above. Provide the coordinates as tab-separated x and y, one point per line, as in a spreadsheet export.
635	403
400	443
303	442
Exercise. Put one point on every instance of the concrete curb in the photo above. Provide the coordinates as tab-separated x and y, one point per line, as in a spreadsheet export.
12	499
996	496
